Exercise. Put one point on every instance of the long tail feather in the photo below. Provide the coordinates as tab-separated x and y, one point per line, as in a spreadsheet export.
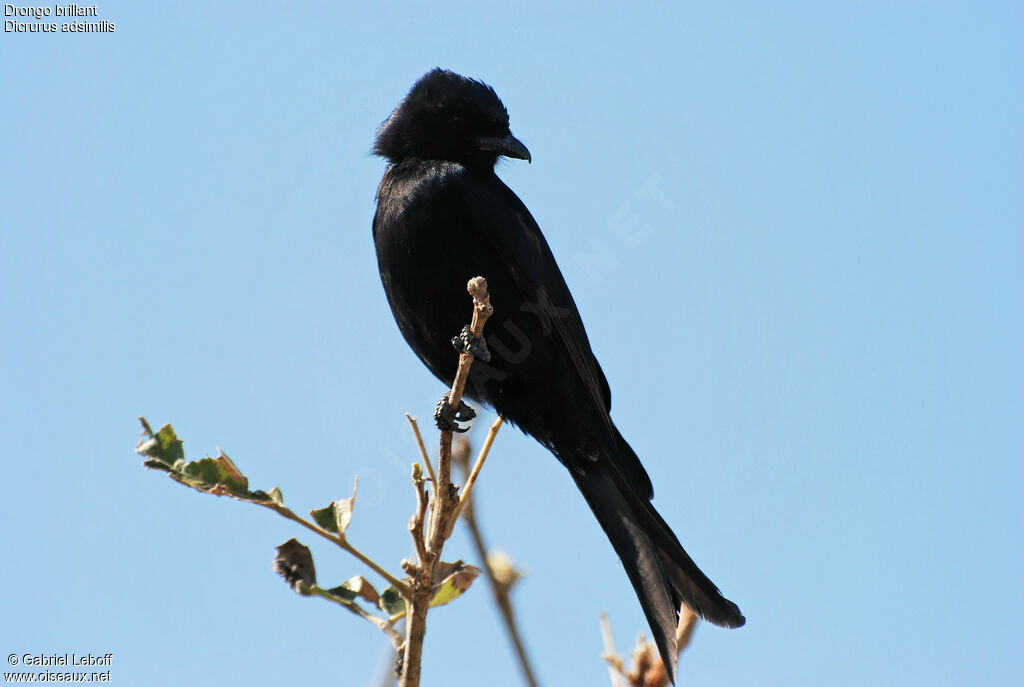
662	573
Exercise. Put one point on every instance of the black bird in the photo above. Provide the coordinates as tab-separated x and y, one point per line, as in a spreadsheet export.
443	216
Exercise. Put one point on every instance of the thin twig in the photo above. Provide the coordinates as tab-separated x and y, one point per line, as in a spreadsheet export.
482	310
402	587
423	448
445	501
384	625
646	667
445	495
684	630
418	518
475	472
500	588
611	656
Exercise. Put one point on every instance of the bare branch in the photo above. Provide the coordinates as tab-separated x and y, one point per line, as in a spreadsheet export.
610	655
423	449
646	667
501	585
383	625
419	517
445	502
475	472
341	541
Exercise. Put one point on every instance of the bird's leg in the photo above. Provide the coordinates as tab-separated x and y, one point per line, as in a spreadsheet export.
448	418
465	342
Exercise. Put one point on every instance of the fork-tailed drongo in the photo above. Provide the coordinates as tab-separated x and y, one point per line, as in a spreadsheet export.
443	216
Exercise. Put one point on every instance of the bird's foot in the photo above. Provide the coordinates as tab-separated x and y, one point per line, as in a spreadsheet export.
448	418
466	342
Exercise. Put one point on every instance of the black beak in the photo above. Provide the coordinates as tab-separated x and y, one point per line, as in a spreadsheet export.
509	146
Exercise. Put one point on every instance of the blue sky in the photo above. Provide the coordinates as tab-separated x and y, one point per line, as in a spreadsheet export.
795	233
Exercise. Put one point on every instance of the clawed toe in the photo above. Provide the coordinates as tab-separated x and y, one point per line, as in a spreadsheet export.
466	342
448	418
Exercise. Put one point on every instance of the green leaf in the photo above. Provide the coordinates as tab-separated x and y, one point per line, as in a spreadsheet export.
236	480
276	496
164	446
206	470
343	509
326	518
391	601
342	592
218	476
337	516
357	586
148	447
172	449
363	587
455	583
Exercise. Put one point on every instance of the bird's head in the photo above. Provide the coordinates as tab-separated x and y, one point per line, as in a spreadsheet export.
449	117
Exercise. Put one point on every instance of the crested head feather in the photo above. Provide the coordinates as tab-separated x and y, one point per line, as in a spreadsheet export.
441	118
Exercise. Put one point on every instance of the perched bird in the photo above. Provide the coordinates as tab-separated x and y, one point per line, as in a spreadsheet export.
443	216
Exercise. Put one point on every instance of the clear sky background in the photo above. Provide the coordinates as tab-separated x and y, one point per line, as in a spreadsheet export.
795	233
